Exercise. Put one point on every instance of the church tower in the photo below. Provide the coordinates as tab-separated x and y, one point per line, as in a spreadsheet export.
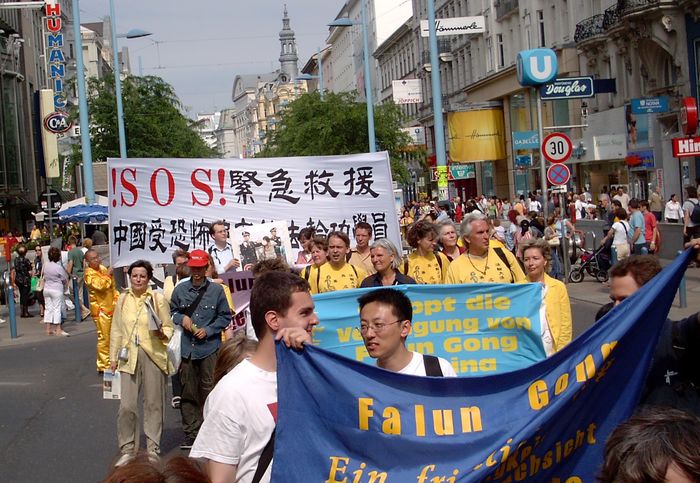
288	53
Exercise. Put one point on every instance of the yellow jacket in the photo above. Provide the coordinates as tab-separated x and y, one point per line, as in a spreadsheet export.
101	288
558	311
130	322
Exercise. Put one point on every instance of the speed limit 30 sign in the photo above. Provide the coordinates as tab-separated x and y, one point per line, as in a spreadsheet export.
557	147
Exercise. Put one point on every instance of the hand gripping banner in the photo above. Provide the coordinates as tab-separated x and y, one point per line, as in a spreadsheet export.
343	421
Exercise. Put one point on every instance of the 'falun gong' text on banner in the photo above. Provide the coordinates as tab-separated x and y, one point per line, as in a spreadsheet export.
481	329
352	422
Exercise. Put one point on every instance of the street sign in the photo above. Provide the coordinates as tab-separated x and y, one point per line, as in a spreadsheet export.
686	147
649	105
558	174
536	66
568	88
557	147
50	201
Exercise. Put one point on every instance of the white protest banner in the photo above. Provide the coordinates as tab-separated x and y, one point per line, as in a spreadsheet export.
159	205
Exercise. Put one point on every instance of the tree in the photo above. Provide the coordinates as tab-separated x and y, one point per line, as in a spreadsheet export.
153	123
337	124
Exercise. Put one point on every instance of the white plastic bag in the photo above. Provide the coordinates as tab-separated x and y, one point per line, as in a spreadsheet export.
174	354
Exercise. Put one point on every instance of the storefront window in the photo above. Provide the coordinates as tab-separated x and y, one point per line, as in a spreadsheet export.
487	169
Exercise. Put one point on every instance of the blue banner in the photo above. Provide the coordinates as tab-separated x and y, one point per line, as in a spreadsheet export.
568	88
343	421
479	328
649	105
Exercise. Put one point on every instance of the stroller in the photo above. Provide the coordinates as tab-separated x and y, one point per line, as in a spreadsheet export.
596	263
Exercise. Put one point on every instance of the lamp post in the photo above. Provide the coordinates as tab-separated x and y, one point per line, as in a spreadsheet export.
346	22
440	150
83	108
319	76
132	34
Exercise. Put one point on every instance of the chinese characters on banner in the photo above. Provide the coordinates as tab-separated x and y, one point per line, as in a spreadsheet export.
159	205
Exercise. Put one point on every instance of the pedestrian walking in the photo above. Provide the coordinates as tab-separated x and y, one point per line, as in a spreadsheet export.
201	308
55	283
139	335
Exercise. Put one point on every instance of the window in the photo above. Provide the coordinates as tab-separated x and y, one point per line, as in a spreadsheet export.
540	22
501	50
489	55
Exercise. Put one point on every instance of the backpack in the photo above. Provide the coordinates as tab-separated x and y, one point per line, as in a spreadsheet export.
695	214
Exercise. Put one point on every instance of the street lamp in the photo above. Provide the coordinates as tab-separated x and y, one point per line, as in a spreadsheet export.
346	22
307	77
131	34
440	149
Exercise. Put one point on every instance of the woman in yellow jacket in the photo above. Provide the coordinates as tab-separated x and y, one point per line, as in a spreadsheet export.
141	328
556	332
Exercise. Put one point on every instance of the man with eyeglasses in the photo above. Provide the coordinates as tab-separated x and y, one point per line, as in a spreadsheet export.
221	251
674	376
385	323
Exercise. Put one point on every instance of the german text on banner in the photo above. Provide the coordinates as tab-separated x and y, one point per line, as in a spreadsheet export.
479	328
343	421
159	205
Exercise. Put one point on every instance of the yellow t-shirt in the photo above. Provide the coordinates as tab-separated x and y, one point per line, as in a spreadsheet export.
327	279
364	262
426	270
472	269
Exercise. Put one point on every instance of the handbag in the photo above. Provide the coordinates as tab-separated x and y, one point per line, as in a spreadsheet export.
554	242
174	351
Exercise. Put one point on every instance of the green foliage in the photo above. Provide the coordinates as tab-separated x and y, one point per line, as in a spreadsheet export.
153	123
335	125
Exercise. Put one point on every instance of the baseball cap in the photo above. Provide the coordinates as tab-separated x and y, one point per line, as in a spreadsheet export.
198	258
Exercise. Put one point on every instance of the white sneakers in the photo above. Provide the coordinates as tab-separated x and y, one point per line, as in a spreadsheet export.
124	459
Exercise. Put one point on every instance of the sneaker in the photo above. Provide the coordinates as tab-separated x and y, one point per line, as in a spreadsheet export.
124	459
2	321
187	443
153	457
175	402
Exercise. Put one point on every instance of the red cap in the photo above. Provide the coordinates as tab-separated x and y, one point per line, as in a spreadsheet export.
198	258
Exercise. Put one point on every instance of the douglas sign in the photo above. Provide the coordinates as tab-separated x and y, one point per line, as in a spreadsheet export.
568	88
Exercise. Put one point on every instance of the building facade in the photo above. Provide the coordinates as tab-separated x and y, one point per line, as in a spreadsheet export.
258	100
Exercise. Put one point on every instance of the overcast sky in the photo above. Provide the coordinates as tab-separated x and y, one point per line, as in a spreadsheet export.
200	46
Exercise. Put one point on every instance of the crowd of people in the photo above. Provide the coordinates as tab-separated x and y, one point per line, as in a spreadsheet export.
226	384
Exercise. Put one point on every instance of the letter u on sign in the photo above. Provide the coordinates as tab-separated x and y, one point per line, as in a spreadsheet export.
536	67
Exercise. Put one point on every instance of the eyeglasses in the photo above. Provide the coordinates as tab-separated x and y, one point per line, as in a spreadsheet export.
376	327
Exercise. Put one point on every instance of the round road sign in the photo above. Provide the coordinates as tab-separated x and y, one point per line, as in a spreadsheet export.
558	174
557	147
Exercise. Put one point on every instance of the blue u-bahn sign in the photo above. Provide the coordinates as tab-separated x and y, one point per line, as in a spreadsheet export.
536	66
568	88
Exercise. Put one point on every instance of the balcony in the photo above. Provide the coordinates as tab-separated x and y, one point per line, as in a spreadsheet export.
600	24
589	27
505	8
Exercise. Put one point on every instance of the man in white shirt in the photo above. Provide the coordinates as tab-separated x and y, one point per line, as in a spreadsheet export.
221	250
240	414
623	198
385	322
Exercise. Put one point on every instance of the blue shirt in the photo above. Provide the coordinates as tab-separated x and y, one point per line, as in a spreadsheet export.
212	314
637	221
